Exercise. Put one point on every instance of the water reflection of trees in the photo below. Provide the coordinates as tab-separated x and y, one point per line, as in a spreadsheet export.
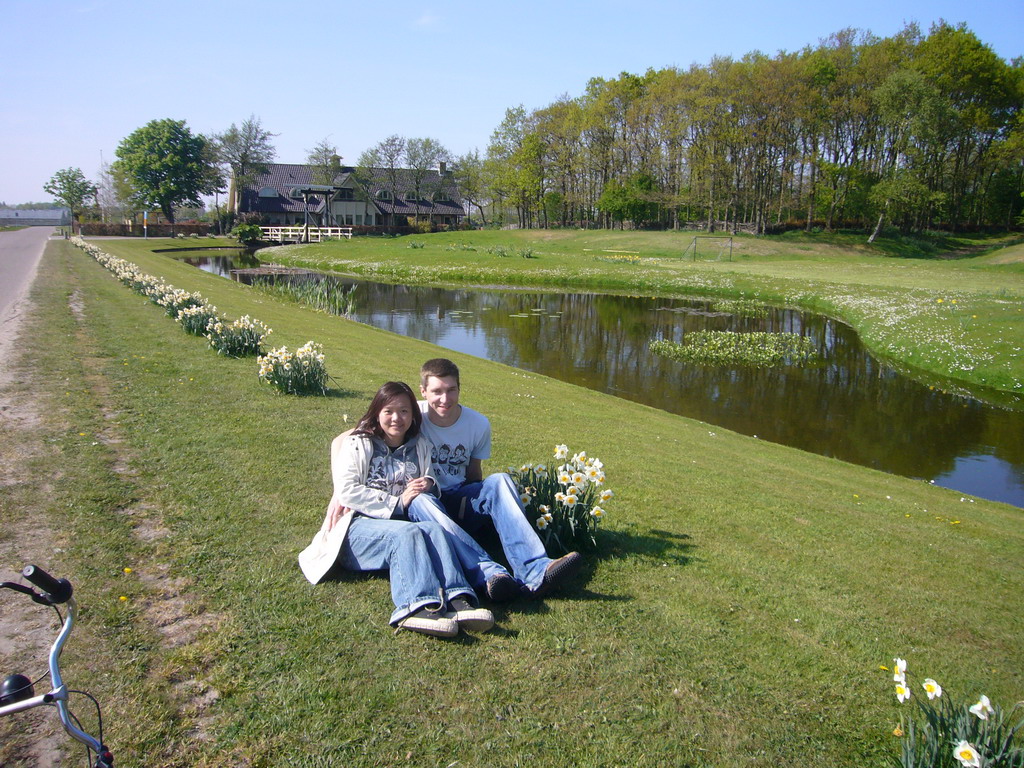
846	404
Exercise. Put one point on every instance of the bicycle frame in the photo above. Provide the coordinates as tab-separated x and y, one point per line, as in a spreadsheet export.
58	695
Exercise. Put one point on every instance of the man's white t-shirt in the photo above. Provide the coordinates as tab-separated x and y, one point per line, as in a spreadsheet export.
468	438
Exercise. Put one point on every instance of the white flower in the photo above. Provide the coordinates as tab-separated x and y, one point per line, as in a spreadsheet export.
559	497
564	478
606	494
570	500
983	708
902	692
597	512
933	689
899	670
561	451
578	478
524	497
544	509
542	523
967	755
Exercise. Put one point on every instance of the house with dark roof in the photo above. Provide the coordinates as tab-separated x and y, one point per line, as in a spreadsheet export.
288	195
35	217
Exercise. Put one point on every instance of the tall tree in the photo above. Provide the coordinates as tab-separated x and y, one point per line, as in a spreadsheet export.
70	187
166	165
385	158
245	150
423	157
325	160
469	176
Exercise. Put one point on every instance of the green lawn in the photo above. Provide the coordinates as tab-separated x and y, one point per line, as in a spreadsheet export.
737	611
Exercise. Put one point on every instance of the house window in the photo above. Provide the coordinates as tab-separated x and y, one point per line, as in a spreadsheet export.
359	219
369	219
345	194
348	219
267	192
383	194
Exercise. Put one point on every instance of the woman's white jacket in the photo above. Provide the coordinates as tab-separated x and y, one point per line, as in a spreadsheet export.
350	465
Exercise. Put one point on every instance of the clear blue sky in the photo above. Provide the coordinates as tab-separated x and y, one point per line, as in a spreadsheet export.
77	77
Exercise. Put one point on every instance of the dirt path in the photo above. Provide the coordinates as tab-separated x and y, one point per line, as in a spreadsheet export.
26	630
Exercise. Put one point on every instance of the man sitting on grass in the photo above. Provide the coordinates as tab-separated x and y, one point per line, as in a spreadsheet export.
462	440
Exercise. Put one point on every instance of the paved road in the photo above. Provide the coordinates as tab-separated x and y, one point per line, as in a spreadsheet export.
20	252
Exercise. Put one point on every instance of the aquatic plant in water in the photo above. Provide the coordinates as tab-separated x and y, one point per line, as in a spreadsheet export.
321	293
731	348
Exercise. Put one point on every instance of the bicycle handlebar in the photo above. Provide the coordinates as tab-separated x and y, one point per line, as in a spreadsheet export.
57	590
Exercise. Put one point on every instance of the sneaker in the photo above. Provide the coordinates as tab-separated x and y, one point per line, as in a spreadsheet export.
501	588
430	621
468	617
558	572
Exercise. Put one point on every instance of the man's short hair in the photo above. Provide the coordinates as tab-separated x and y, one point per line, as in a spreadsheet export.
440	367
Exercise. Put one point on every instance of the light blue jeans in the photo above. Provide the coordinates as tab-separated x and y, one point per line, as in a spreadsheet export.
420	561
468	507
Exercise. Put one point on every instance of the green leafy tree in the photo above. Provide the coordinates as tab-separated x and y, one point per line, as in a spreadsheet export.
469	175
70	187
166	165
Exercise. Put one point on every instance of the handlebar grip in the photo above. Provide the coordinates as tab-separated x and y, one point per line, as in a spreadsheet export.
58	590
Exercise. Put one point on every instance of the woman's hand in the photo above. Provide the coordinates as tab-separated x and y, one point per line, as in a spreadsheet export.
414	488
335	512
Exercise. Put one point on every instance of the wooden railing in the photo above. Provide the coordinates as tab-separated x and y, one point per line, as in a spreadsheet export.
298	234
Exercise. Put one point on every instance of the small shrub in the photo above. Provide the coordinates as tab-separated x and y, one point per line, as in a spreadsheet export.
526	253
564	503
500	251
303	373
242	338
248	234
416	244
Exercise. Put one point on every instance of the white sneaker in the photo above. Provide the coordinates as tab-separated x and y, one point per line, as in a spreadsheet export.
468	617
430	621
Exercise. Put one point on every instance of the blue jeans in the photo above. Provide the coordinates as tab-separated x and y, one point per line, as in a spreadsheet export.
467	508
421	564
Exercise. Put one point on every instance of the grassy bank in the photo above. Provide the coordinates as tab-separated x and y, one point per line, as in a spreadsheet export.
742	600
945	319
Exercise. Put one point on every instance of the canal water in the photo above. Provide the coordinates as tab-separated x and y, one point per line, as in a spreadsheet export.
846	404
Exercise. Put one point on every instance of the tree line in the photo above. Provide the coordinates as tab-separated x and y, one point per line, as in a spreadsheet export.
920	131
915	131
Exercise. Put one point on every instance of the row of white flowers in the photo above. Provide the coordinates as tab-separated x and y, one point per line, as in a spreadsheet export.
238	338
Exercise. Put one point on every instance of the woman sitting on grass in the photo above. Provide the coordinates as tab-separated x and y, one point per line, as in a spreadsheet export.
379	468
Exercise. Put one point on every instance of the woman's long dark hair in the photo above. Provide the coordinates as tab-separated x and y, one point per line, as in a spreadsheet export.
370	423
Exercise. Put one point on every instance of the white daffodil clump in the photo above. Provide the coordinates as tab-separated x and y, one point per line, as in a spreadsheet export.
563	502
982	735
301	373
241	338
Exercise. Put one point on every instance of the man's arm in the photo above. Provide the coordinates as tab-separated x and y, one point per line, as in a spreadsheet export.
474	471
